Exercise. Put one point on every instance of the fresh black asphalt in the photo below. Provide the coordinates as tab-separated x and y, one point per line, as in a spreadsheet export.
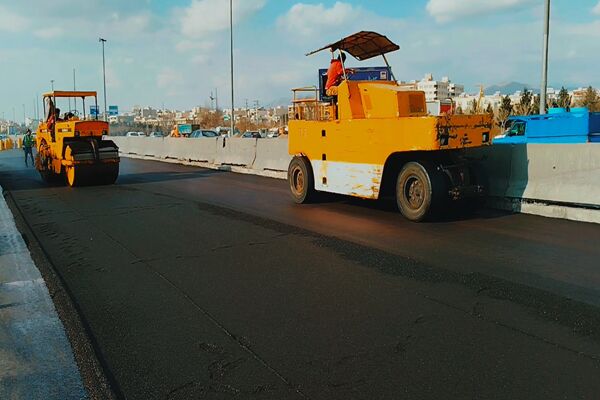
194	283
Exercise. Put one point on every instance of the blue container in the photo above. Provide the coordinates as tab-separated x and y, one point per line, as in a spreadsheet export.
360	74
577	126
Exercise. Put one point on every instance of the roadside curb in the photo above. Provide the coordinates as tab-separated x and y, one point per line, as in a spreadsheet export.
92	372
36	359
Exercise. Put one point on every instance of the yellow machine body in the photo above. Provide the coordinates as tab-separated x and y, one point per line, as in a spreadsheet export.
74	148
379	126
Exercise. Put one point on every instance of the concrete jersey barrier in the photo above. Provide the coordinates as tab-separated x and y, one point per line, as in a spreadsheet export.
559	178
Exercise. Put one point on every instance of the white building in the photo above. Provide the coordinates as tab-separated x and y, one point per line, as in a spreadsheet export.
434	90
439	90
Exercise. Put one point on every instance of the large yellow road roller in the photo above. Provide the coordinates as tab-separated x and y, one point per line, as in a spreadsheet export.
71	146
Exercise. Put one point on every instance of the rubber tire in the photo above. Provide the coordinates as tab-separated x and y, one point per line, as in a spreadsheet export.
434	191
301	181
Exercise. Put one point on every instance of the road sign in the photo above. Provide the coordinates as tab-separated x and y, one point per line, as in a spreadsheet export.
226	117
113	110
94	111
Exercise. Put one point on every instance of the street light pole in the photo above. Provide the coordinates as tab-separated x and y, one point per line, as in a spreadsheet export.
104	74
231	51
544	87
52	84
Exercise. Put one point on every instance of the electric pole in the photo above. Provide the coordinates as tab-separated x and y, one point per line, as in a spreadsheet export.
231	51
101	40
545	58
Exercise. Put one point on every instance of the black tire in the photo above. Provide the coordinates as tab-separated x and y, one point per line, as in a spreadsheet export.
421	191
301	180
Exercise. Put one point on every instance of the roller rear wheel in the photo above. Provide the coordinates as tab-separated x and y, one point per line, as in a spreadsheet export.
301	180
421	191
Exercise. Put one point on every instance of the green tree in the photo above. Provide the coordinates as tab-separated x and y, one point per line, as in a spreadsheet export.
535	105
473	109
504	111
590	99
489	109
563	100
525	104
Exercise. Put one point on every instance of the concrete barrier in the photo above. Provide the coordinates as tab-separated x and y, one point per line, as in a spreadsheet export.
236	151
557	180
272	155
191	150
554	180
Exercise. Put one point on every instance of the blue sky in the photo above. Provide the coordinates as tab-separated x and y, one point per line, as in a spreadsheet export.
176	52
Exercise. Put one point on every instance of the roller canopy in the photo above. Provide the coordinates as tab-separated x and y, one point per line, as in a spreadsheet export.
58	93
363	45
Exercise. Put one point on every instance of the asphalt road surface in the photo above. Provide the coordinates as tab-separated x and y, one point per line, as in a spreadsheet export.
195	283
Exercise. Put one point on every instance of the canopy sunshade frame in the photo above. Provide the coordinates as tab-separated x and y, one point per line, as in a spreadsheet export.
72	93
362	45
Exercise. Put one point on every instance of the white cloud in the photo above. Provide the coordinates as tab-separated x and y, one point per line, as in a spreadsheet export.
313	19
596	10
49	32
204	17
170	80
132	25
12	22
449	10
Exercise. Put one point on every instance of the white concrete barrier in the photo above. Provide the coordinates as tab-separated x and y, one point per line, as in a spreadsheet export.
554	180
236	151
192	150
272	155
558	180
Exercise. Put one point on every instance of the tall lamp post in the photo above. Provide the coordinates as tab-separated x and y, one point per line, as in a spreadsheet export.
101	40
544	87
232	121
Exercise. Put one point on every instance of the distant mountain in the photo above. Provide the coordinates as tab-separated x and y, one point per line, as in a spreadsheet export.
509	88
283	102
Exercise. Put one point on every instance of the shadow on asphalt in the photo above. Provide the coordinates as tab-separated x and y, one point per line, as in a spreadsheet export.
153	177
456	211
28	179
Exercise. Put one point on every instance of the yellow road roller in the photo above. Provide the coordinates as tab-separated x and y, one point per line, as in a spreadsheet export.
71	146
372	138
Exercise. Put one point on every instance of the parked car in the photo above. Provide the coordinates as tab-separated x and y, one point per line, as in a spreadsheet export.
203	133
133	134
156	134
251	135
